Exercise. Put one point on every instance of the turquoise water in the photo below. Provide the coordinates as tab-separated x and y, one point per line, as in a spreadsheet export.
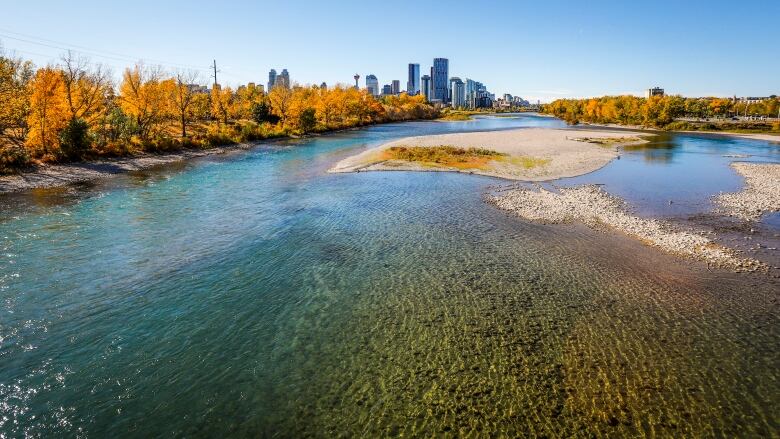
256	295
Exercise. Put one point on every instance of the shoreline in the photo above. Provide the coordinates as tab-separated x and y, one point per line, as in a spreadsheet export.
527	154
595	208
759	195
749	136
56	175
64	174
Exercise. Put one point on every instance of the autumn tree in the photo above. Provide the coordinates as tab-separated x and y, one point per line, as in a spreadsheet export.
182	94
221	103
15	78
143	98
281	98
49	111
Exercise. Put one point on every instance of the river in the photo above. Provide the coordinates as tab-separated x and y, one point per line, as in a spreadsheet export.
254	294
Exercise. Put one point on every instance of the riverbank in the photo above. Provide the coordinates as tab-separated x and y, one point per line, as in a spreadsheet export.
62	174
532	154
760	195
597	209
53	175
751	136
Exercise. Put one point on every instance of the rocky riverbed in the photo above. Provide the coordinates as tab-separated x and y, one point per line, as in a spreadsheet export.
596	208
760	195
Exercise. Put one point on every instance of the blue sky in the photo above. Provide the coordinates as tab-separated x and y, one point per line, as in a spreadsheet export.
539	50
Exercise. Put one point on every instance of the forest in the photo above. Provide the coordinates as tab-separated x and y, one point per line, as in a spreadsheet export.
664	111
76	110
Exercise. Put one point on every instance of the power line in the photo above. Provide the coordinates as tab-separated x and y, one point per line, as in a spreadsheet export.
121	58
108	55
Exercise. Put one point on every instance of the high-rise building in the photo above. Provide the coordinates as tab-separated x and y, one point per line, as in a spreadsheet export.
471	92
387	90
271	79
372	84
440	73
396	88
458	93
283	79
425	87
357	81
413	83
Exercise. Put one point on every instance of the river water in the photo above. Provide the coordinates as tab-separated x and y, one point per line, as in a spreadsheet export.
254	294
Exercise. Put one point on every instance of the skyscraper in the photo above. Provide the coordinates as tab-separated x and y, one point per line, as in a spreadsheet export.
471	92
387	90
372	84
283	79
271	79
440	73
396	87
413	83
425	86
458	93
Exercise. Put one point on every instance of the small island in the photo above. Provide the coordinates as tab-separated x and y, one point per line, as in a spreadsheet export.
530	154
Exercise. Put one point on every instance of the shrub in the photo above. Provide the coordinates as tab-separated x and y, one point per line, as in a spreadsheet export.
74	139
13	157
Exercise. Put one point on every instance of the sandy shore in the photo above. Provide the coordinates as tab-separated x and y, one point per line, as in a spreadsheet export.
594	207
64	174
534	154
760	195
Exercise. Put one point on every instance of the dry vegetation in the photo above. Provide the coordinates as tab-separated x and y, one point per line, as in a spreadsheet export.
444	155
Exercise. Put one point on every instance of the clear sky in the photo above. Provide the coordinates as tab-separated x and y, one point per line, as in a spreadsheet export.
539	50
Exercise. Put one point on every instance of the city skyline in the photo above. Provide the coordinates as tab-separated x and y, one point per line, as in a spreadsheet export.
555	51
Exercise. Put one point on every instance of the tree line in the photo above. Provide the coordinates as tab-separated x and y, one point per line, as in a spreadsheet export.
74	110
656	111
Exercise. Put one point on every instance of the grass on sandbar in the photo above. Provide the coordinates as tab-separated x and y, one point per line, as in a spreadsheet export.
444	155
528	162
455	117
606	141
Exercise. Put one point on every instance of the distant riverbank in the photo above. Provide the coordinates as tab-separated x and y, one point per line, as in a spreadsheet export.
753	136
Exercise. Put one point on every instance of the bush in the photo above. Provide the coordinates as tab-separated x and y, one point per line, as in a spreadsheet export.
74	139
307	120
13	157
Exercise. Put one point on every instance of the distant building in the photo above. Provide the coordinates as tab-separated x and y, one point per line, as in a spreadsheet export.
396	87
324	86
413	83
440	73
458	93
271	79
655	91
372	84
751	99
425	87
387	90
198	89
283	79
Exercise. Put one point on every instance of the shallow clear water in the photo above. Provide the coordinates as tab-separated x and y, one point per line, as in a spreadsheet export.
256	295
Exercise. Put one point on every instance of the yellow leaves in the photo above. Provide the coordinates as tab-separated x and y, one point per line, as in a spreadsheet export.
48	110
15	78
221	103
144	97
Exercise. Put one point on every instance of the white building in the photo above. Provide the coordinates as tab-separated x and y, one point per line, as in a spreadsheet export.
458	93
372	85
